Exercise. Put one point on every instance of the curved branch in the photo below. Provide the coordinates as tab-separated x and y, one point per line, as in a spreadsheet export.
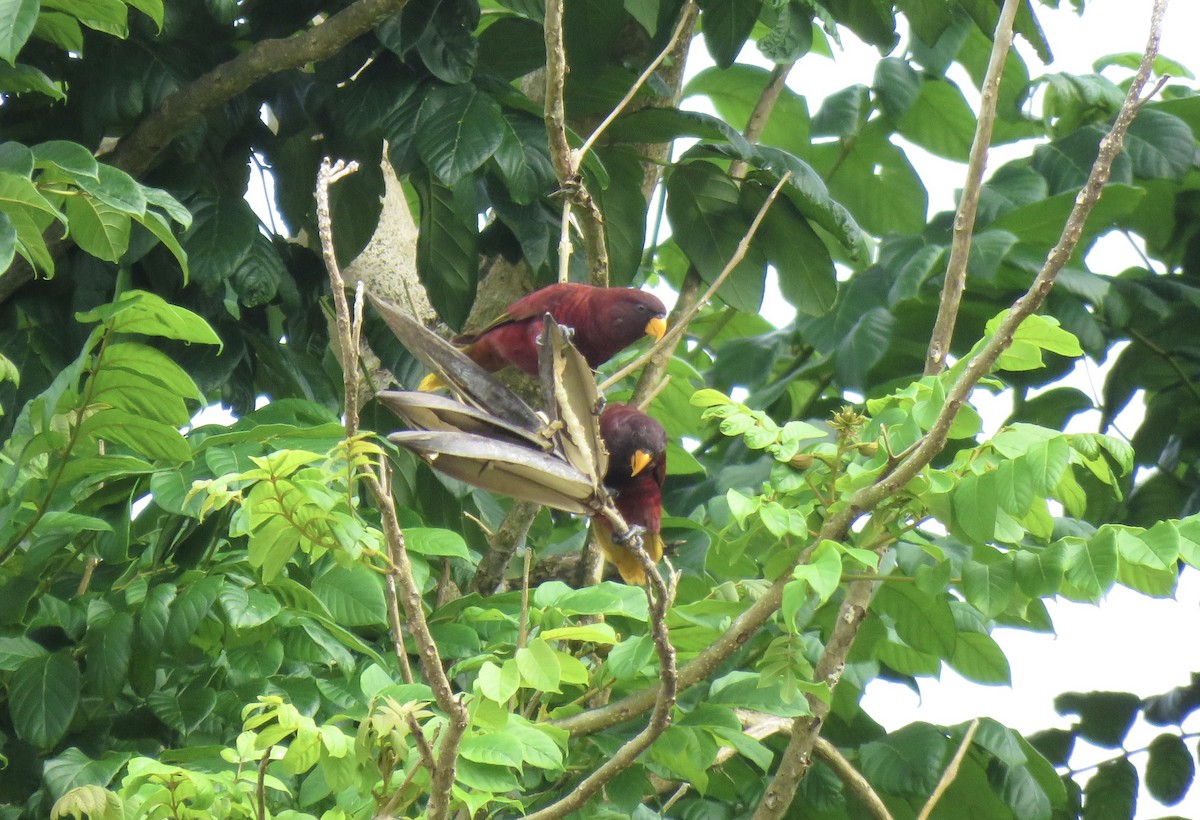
866	499
136	152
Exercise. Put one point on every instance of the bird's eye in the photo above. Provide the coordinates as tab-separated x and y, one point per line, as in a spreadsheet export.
641	307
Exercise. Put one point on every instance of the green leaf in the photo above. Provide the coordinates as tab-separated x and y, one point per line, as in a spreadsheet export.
538	747
258	277
247	609
1111	793
897	86
108	650
726	24
62	30
707	222
989	587
1040	572
539	666
8	241
189	608
499	682
221	235
144	436
979	658
116	189
17	19
447	260
1104	717
496	748
523	157
1170	769
823	572
69	157
907	762
940	121
73	769
353	595
806	274
1090	567
101	230
458	128
924	621
431	541
42	697
138	311
183	710
630	657
151	8
976	500
734	92
593	633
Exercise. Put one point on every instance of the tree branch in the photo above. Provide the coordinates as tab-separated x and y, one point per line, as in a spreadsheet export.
660	352
796	760
745	625
137	151
968	205
400	571
502	546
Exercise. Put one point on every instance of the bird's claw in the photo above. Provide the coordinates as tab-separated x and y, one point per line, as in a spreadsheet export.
601	403
632	537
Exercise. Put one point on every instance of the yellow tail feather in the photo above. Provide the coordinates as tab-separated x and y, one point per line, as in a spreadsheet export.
625	561
430	383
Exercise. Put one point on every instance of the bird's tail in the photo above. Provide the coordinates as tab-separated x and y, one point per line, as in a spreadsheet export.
625	561
430	383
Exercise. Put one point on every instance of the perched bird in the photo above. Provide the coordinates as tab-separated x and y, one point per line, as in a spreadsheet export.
637	466
604	321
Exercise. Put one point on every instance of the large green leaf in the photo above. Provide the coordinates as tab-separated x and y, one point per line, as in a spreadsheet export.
924	621
447	260
109	647
353	595
222	233
42	697
1170	769
707	222
726	24
458	128
907	762
1111	793
940	121
806	274
17	18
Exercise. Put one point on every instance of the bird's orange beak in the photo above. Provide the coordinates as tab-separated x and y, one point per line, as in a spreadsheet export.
656	327
639	460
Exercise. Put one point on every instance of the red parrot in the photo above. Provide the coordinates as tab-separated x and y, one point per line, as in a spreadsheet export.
637	466
605	321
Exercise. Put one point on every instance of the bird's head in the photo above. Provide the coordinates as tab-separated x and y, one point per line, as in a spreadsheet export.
636	444
630	313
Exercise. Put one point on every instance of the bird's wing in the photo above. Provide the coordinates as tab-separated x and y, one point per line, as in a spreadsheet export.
474	384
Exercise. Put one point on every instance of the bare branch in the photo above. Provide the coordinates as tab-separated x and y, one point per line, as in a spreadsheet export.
660	350
968	205
951	771
502	545
866	499
401	571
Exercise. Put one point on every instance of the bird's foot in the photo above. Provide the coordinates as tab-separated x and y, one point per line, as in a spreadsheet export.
632	537
601	403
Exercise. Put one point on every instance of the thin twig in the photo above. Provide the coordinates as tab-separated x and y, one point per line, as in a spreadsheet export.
796	759
951	771
745	625
968	205
260	786
659	594
676	331
401	571
685	20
